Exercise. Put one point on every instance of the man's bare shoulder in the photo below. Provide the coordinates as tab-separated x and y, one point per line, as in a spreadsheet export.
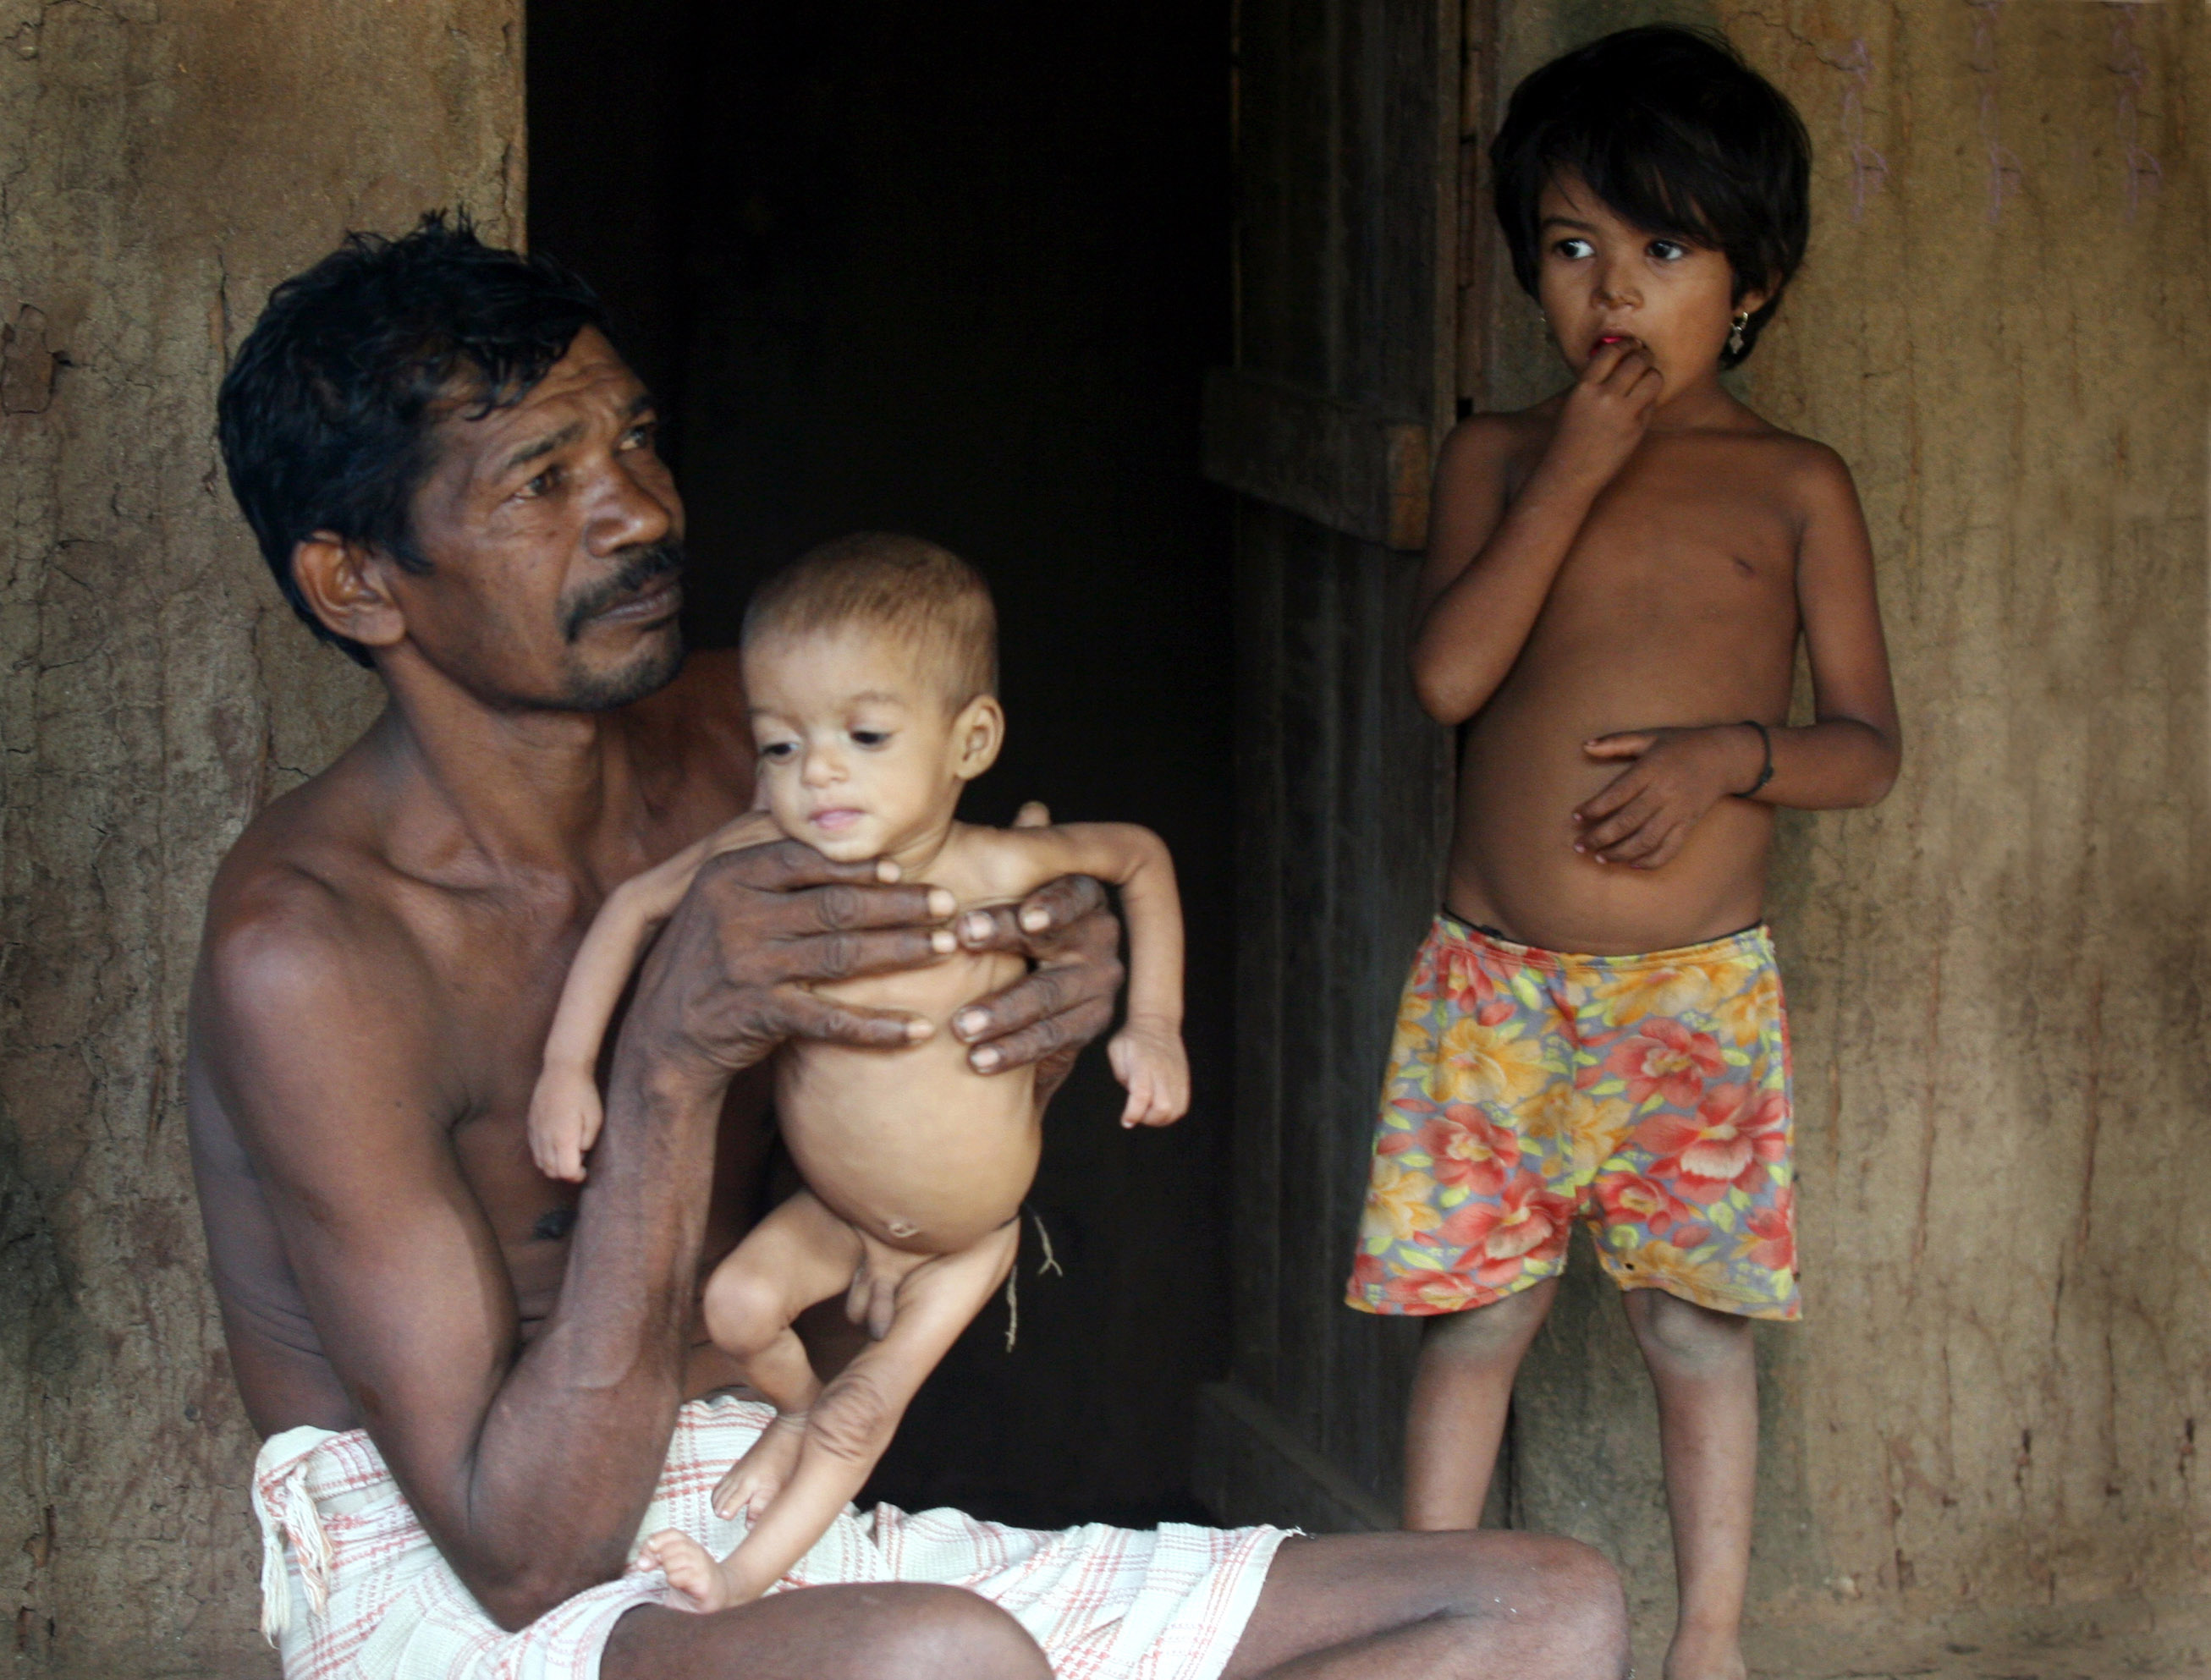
701	720
304	906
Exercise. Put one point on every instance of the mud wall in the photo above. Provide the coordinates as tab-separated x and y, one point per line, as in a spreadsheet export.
1987	1420
161	166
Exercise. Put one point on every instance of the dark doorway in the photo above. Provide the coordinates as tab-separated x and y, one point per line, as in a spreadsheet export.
957	268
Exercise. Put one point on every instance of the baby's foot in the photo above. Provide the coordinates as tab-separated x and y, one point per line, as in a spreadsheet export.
690	1568
755	1479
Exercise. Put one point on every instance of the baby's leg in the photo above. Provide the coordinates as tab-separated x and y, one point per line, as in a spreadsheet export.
853	1420
1462	1390
1702	1365
800	1253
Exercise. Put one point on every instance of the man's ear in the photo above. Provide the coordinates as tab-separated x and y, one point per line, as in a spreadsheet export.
344	584
977	734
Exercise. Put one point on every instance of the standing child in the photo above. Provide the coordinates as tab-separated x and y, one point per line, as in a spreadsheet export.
1615	584
871	670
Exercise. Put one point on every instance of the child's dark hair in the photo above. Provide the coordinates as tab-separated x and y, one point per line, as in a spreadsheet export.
325	414
1672	131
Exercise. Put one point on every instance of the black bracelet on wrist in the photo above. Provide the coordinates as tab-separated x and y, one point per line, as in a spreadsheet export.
1765	770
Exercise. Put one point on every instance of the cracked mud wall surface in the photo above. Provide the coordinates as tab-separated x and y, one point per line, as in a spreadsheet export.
1996	977
161	166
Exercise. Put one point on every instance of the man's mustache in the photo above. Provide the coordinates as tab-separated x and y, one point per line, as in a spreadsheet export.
644	566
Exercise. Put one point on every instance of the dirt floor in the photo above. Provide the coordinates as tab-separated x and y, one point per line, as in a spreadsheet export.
2112	1640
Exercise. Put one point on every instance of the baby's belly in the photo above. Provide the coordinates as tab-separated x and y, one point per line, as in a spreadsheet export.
912	1146
1513	863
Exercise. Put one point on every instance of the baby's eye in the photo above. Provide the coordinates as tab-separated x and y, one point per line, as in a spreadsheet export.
870	737
1574	250
1668	250
778	751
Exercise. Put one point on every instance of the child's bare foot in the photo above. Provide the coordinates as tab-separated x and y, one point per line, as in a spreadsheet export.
690	1568
755	1479
1705	1653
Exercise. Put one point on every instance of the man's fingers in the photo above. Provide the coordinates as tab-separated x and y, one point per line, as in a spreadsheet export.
803	1014
787	867
1074	1026
1056	905
824	957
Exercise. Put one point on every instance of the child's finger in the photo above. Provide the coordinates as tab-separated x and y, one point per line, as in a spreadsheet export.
1034	814
1616	828
1628	744
1666	849
1609	798
1642	841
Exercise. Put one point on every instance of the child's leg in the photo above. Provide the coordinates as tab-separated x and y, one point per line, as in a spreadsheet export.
856	1415
1461	1392
800	1253
1702	1366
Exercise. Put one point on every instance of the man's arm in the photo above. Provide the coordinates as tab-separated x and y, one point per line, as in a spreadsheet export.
531	1470
1490	567
565	1112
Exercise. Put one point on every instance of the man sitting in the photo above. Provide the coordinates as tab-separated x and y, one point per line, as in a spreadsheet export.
479	1382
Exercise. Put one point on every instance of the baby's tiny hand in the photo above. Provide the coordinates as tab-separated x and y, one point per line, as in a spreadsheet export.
565	1117
690	1568
1148	1058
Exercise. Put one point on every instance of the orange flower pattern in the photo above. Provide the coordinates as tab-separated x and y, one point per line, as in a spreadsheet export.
1647	1097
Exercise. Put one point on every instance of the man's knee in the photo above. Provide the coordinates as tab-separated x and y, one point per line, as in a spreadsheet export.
1582	1607
948	1633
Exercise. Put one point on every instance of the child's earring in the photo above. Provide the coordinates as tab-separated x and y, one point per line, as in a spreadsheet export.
1740	320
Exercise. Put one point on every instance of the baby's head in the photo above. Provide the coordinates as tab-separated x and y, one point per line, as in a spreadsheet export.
871	667
1653	185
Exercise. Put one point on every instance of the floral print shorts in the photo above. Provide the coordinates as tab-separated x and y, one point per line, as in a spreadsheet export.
1647	1097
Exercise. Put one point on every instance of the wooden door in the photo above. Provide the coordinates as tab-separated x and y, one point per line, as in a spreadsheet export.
1358	126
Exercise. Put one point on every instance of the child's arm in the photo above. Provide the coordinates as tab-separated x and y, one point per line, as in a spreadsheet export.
1847	757
1490	565
563	1107
1146	1053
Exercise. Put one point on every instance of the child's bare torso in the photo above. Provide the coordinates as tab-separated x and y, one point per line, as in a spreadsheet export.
913	1146
1677	605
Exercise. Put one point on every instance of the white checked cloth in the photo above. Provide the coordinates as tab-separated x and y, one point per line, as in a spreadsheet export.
352	1588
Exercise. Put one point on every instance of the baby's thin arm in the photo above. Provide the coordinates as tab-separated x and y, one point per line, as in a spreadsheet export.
565	1103
1136	861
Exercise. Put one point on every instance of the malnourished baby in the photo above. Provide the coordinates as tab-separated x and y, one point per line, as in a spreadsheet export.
870	667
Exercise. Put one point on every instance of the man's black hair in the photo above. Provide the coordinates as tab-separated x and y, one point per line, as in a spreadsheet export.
1672	131
325	415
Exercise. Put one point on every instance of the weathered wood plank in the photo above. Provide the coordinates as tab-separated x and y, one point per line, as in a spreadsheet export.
1257	1467
1341	464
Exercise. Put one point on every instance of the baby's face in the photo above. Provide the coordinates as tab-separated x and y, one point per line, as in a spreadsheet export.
1601	277
859	756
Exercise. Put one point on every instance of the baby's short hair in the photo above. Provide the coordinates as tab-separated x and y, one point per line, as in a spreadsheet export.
927	596
1676	133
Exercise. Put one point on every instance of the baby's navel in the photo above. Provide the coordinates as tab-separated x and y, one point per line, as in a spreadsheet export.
900	1228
